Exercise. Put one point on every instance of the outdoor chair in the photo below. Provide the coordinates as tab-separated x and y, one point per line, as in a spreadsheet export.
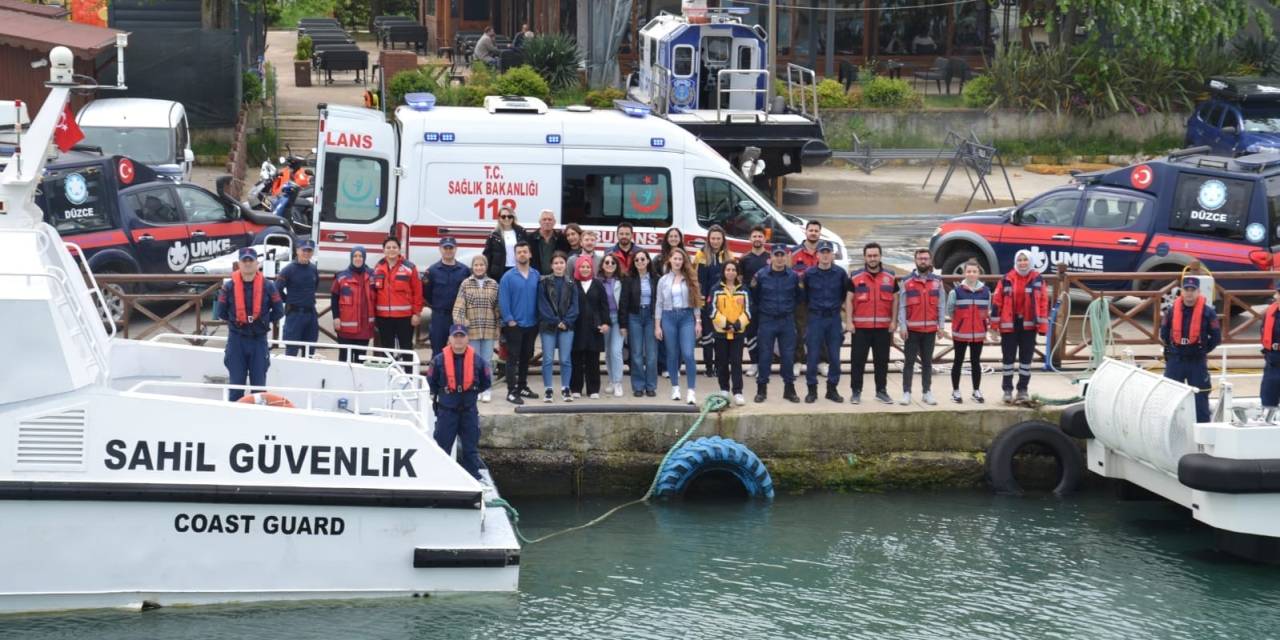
848	74
936	74
509	59
958	69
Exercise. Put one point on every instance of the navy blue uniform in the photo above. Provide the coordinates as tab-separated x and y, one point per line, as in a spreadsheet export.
776	293
823	291
247	353
748	265
440	290
456	414
1271	352
297	283
1188	362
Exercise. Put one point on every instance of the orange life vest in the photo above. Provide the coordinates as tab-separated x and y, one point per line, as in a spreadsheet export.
872	299
972	314
1175	331
1269	341
237	294
922	295
468	373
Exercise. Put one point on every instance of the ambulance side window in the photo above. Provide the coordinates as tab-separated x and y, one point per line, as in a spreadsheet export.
355	188
609	195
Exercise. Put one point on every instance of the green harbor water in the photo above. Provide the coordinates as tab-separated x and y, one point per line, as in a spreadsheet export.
895	565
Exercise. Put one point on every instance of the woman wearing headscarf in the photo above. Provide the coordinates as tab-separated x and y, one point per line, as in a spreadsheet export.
351	303
591	330
476	308
1021	307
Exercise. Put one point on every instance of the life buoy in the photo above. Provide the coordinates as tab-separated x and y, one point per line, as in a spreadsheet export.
697	457
1010	441
267	399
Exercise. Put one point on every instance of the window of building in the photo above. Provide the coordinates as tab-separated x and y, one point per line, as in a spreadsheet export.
475	9
355	188
904	28
1211	206
849	27
74	204
974	29
811	33
609	195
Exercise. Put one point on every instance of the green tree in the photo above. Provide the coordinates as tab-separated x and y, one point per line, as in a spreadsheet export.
1178	30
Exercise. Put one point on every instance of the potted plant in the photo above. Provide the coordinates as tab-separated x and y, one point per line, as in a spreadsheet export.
302	62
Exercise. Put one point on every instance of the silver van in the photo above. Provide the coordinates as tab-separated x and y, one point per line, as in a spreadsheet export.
153	132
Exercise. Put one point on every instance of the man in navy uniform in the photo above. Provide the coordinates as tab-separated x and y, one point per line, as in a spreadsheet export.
440	290
776	290
458	375
1189	331
297	284
248	303
823	288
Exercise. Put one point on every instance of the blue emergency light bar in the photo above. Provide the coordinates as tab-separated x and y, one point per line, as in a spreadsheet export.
632	108
420	101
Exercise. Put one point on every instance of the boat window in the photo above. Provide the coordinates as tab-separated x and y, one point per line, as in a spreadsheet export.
354	188
1211	205
73	201
721	202
682	60
716	51
744	57
609	195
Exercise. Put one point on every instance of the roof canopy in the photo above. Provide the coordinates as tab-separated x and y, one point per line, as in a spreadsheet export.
30	31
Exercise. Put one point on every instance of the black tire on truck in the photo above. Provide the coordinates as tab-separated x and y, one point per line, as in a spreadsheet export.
954	262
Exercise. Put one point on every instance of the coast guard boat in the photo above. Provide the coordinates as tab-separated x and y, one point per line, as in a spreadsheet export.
127	479
707	72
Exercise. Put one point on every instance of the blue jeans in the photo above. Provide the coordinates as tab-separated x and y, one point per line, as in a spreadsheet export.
644	351
484	349
613	349
677	332
551	340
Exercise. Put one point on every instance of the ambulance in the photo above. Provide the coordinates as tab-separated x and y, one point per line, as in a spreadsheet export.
447	171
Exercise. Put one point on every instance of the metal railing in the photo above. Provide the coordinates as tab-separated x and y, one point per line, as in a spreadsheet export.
380	355
806	80
65	295
758	94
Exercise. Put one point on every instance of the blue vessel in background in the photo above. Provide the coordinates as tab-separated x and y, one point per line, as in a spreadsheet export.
708	72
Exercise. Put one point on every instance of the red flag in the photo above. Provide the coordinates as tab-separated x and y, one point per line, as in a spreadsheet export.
67	133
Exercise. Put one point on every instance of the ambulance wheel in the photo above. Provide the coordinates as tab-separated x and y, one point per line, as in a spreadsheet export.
1043	435
954	264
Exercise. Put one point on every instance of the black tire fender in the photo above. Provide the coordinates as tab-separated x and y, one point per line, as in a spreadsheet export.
1074	423
1005	446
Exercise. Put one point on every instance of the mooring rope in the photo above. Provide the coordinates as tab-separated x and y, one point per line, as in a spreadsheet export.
715	402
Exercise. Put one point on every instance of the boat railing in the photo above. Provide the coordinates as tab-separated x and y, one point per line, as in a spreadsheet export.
380	356
65	296
724	94
802	90
95	292
406	396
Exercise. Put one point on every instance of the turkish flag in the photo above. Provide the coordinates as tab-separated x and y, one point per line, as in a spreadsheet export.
67	133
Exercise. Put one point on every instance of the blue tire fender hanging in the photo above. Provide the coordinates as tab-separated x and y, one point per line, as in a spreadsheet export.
714	453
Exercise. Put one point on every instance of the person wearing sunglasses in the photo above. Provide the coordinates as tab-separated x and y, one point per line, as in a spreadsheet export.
500	247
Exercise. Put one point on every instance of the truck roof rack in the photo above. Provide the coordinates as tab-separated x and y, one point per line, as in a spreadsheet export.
1259	161
1245	88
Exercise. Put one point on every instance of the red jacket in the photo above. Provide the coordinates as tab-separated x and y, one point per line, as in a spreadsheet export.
972	314
397	290
352	296
1035	315
922	295
873	298
803	260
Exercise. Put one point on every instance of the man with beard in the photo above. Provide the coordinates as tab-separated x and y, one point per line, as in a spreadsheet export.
752	262
872	312
921	316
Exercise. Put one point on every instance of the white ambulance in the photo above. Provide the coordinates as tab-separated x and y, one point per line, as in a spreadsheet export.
440	171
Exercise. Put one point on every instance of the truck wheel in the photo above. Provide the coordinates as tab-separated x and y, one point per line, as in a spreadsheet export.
954	264
114	312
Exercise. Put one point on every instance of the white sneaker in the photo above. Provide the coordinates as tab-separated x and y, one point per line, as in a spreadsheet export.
485	397
577	395
928	398
738	399
595	396
617	390
751	371
906	398
675	393
693	399
823	368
